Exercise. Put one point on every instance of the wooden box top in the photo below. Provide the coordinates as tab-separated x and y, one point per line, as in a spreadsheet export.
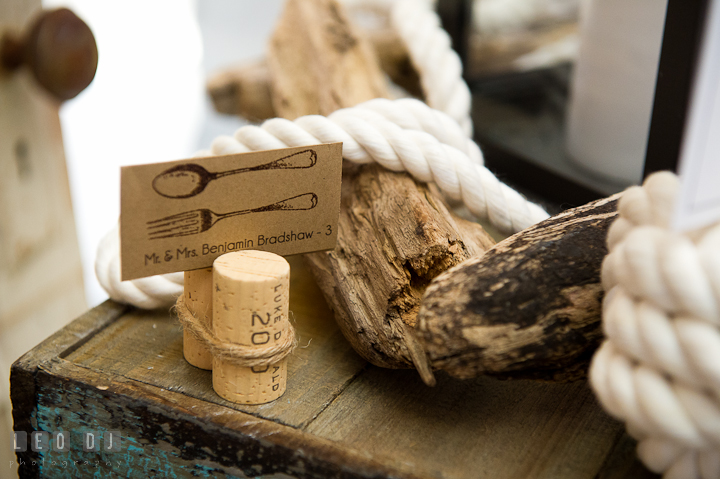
121	369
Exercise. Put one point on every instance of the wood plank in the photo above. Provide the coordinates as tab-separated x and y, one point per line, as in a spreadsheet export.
387	420
384	423
475	428
41	282
147	346
39	247
23	391
623	462
169	434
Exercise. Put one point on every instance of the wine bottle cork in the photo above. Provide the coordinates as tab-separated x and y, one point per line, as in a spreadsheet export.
198	299
250	307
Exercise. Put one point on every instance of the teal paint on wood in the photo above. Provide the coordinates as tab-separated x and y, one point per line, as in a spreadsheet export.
144	453
172	435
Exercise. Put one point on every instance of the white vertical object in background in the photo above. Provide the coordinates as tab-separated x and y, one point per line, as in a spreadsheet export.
145	105
699	163
613	86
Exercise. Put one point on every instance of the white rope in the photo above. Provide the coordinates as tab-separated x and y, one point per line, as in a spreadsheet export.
391	133
146	293
659	367
430	50
415	115
431	53
369	136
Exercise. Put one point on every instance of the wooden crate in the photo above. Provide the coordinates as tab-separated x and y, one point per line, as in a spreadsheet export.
41	278
118	368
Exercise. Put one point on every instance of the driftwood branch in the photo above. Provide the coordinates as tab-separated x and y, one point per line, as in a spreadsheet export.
528	308
319	63
245	90
395	235
395	59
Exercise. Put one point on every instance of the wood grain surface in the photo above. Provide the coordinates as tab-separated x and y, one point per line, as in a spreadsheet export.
530	307
395	234
319	62
148	347
117	368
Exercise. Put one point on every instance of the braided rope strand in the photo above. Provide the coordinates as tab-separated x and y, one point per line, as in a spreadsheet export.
371	137
431	53
659	367
147	293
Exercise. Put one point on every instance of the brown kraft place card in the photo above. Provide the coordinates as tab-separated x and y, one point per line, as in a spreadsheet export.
181	215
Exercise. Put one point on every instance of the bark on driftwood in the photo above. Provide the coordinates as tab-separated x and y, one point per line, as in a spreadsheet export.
528	308
395	60
245	89
319	63
395	235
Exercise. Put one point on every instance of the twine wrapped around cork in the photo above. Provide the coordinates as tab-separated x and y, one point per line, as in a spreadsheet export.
251	335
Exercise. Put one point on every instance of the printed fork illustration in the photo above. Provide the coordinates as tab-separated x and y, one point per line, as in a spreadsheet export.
197	221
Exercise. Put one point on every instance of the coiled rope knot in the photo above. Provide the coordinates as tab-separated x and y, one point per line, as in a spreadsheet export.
659	368
235	353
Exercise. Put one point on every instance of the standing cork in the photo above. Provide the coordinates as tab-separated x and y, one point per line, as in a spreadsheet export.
198	299
250	307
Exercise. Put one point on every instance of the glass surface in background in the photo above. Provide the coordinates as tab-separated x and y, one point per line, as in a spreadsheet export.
613	86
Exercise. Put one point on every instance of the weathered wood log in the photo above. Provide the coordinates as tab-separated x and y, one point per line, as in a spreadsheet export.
528	308
394	234
394	237
319	62
243	90
395	59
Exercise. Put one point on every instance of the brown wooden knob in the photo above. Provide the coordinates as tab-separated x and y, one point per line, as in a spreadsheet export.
59	49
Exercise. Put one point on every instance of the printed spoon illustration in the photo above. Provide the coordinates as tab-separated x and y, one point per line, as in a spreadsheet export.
197	221
190	179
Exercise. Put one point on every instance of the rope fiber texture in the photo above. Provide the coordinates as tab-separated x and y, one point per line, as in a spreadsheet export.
659	367
398	140
439	67
235	353
146	293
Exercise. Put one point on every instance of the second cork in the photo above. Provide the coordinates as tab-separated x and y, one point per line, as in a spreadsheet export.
250	307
